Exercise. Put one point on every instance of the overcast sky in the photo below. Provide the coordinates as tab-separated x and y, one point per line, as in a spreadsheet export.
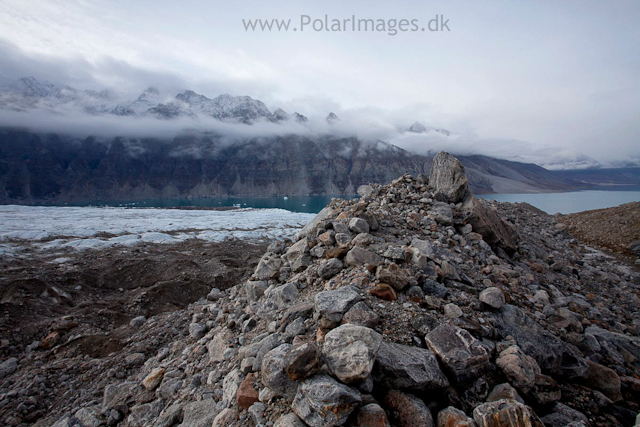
559	74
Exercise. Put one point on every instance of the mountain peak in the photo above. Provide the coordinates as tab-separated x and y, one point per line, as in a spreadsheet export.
417	127
332	118
32	87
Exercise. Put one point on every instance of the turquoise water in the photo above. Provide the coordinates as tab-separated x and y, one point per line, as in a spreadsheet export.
306	204
571	202
549	202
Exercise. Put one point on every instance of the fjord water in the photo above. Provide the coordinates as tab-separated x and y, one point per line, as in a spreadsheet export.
551	203
571	202
303	204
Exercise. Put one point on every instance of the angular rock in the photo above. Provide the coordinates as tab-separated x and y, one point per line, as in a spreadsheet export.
453	417
448	177
406	367
289	420
494	231
218	345
302	361
200	414
8	367
328	238
365	191
329	268
255	289
392	275
384	291
333	304
322	401
246	395
336	252
407	410
361	315
298	255
142	415
505	413
358	225
278	297
459	352
350	352
153	379
493	297
520	369
363	239
268	267
343	240
359	256
562	415
312	225
372	415
89	417
230	386
197	330
226	418
274	375
605	380
504	391
442	213
553	356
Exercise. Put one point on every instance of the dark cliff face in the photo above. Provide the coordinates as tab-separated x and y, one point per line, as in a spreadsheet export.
40	168
52	168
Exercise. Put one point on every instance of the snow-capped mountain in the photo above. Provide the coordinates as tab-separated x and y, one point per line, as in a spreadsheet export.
30	94
418	127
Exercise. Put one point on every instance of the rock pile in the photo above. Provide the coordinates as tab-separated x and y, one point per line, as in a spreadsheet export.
416	305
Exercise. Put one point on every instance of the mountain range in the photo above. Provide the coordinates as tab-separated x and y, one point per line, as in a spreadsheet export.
38	166
29	93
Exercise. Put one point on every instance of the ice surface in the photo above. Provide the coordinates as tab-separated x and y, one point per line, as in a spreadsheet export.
48	228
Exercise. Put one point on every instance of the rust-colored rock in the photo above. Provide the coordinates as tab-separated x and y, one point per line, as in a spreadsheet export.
247	395
384	291
336	252
50	340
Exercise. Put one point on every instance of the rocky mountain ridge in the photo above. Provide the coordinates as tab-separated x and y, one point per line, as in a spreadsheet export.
30	94
53	168
416	305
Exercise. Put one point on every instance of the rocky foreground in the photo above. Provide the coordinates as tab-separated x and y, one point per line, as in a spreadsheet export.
416	305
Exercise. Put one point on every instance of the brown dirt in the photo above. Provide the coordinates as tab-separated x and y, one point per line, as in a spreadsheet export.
612	228
104	289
